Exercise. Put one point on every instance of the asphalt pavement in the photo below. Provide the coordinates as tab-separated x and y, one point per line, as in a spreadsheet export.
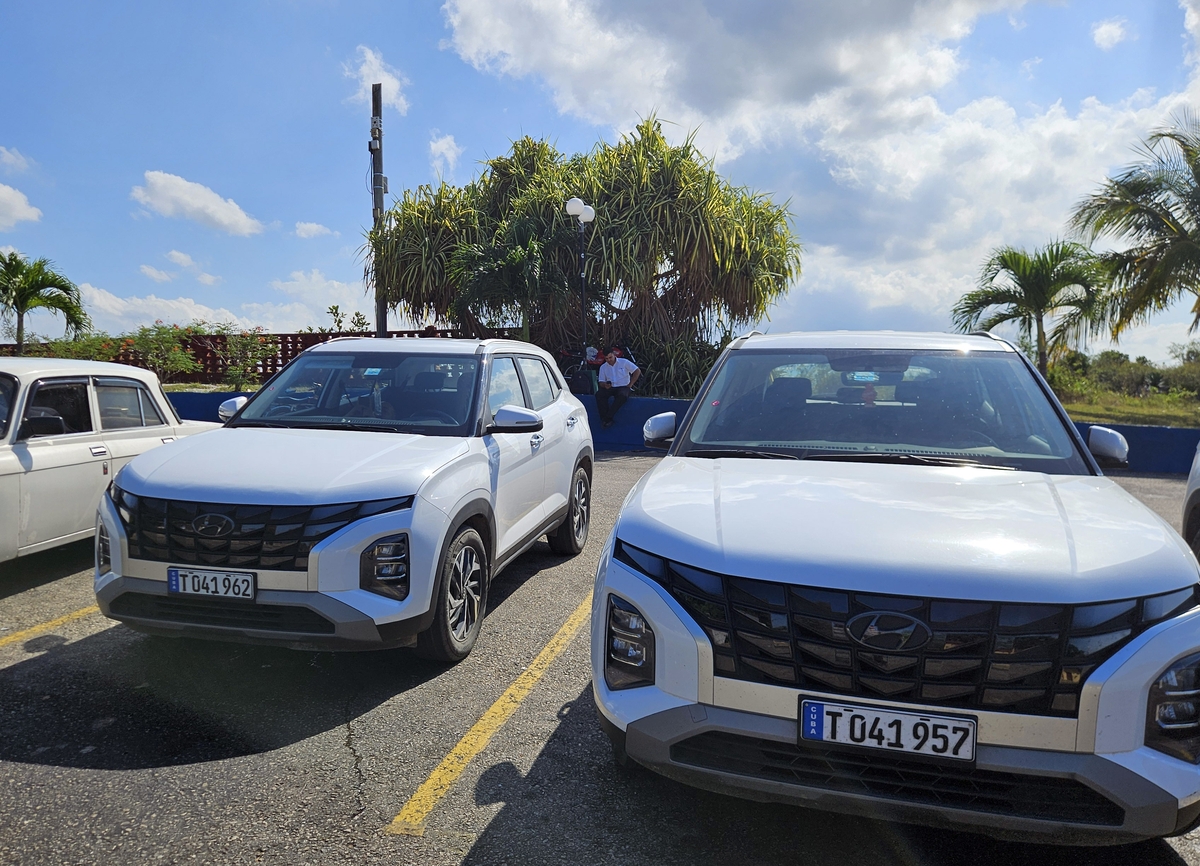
121	748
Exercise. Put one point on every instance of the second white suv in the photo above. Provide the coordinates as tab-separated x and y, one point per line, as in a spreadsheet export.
364	497
882	574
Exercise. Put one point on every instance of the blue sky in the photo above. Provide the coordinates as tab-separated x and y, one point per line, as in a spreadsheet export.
208	161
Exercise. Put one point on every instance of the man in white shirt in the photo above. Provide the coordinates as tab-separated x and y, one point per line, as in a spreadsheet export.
617	378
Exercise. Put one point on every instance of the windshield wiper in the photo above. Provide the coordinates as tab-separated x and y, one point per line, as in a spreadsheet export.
901	458
252	422
352	425
738	452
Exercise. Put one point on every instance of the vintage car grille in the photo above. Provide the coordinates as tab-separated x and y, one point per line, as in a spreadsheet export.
221	612
903	780
252	536
980	655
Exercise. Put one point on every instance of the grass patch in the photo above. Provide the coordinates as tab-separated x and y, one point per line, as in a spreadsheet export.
1109	407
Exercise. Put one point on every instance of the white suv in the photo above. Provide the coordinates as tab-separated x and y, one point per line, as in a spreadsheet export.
882	574
363	498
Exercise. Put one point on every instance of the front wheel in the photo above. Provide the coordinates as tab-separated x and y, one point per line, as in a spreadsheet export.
572	533
459	606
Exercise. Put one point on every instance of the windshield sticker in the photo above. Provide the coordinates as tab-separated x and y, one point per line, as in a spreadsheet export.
372	371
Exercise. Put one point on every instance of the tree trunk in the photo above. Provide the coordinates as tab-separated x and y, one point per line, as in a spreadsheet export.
20	333
1041	346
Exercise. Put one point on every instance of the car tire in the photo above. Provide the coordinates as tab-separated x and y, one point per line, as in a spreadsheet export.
460	603
571	535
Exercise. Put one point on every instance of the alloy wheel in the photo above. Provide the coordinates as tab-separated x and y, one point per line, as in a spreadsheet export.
579	509
464	592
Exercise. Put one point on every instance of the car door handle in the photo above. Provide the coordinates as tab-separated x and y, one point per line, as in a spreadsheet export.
99	450
536	440
571	422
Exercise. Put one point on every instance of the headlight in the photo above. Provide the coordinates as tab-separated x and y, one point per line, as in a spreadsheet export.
103	549
383	567
1173	718
629	653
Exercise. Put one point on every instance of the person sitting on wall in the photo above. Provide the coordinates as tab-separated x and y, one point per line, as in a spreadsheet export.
617	378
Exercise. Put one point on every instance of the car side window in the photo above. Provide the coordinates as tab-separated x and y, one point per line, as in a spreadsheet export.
57	408
504	387
541	393
8	399
554	383
124	404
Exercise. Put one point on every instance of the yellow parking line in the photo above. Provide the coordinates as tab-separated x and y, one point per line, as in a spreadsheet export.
49	625
411	820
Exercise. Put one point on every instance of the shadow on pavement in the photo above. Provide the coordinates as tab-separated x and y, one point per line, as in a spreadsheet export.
525	567
576	806
18	575
119	700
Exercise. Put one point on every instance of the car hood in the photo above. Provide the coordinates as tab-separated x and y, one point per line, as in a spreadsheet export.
288	467
972	533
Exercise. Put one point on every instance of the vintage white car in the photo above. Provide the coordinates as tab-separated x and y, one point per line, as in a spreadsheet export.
66	427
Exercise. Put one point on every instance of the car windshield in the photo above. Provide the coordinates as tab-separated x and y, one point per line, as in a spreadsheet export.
924	407
377	391
8	397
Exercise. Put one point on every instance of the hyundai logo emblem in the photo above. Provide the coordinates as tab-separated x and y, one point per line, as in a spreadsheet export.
888	631
212	525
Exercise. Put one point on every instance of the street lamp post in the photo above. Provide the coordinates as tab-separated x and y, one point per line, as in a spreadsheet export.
585	213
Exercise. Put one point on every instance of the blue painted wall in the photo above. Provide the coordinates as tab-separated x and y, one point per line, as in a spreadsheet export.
1151	449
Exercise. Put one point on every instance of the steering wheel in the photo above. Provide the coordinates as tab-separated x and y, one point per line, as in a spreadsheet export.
977	436
433	414
280	409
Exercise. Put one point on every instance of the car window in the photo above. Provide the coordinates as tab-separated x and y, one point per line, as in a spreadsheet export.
555	385
402	392
504	388
538	381
125	404
8	399
57	408
982	407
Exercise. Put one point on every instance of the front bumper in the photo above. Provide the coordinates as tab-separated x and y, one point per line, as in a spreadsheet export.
298	620
1020	794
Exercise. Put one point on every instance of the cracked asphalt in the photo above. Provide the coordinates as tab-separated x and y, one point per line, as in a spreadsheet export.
121	748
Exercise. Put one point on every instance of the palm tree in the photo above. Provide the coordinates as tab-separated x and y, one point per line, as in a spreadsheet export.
26	286
1061	280
1154	206
675	251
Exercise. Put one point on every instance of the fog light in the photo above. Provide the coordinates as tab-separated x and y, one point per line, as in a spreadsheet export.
629	660
1173	718
383	567
103	550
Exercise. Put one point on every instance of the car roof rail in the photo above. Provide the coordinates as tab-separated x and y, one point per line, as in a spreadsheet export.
737	342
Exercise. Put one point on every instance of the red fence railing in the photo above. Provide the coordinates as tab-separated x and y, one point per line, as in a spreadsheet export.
208	350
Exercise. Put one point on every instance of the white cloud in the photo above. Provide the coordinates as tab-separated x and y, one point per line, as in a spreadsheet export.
899	198
181	259
15	208
309	296
372	70
186	262
444	152
1110	33
6	249
157	275
115	314
13	160
1029	66
172	196
311	230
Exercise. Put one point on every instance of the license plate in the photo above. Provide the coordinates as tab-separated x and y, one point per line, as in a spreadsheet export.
196	581
888	730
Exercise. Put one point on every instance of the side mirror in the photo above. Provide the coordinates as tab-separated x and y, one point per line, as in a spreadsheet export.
515	419
659	430
42	425
229	408
1109	448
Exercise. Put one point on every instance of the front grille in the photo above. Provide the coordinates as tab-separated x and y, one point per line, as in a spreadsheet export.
251	536
906	781
221	612
980	655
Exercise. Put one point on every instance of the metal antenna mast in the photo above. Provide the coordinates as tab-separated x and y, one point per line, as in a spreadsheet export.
378	189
